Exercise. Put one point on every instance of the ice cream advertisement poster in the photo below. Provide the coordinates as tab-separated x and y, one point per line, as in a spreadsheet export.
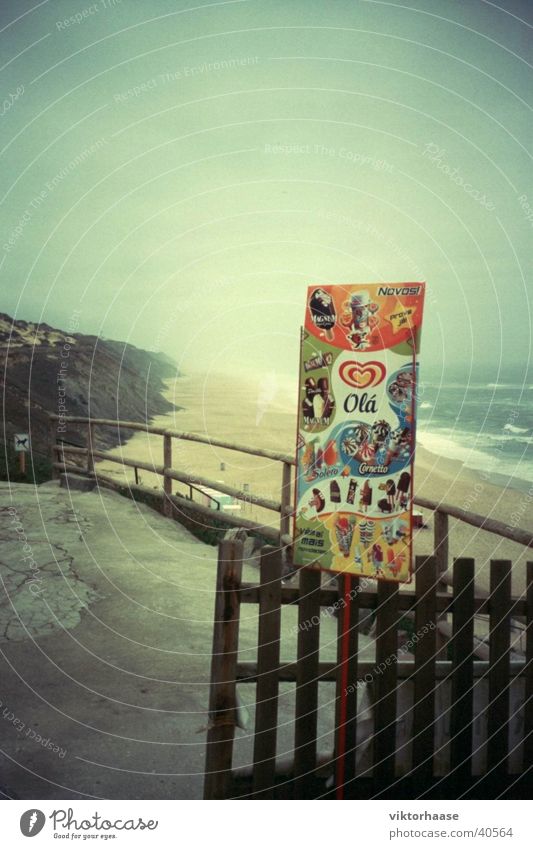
356	429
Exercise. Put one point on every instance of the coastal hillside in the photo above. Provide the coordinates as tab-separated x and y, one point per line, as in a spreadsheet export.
47	370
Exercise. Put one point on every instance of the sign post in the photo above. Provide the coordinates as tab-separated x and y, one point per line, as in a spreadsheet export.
356	437
22	445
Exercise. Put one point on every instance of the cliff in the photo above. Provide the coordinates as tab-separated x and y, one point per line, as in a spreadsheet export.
46	370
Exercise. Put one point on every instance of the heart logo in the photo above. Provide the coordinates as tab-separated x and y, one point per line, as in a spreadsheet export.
362	375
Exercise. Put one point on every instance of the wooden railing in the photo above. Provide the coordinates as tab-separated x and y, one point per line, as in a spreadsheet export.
283	506
61	450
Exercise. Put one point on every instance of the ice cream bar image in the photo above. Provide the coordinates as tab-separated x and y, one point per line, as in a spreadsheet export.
322	311
318	406
334	492
350	498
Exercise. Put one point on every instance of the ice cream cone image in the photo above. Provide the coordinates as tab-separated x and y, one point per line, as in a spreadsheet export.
344	529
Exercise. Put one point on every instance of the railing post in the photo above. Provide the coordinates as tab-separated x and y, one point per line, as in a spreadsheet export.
441	547
167	482
441	542
222	693
52	426
90	445
285	518
60	453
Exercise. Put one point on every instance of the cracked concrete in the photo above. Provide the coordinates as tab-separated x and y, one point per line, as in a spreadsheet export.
111	662
42	591
36	603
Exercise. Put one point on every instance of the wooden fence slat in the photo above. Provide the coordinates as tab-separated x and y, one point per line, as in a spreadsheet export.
266	716
498	711
425	659
167	481
347	679
222	694
286	510
385	682
441	541
305	744
528	709
462	649
90	447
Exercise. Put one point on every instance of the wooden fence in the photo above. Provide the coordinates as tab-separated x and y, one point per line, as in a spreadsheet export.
429	604
305	777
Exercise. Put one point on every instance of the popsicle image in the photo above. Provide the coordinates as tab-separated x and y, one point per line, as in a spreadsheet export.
366	532
322	311
350	498
330	453
308	460
377	558
388	533
318	501
334	492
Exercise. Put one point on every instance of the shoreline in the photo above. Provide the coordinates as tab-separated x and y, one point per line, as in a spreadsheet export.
288	406
264	415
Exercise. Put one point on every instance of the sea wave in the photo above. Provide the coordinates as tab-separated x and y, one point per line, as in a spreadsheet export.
507	438
469	385
478	459
509	428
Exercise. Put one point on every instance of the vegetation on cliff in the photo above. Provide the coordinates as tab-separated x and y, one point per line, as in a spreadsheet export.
46	370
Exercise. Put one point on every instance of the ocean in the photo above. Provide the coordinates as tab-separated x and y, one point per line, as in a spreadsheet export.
488	426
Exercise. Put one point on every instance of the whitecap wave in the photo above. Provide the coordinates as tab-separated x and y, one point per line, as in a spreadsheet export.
457	447
509	428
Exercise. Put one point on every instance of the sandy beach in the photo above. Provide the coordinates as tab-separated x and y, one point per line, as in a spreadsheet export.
263	414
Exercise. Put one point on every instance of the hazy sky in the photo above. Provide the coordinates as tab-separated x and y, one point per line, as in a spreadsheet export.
181	172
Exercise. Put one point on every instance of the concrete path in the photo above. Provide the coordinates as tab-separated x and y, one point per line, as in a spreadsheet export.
105	633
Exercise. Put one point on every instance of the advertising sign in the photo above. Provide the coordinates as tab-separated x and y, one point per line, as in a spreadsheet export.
356	429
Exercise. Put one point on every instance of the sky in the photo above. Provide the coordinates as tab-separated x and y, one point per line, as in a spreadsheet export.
175	174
